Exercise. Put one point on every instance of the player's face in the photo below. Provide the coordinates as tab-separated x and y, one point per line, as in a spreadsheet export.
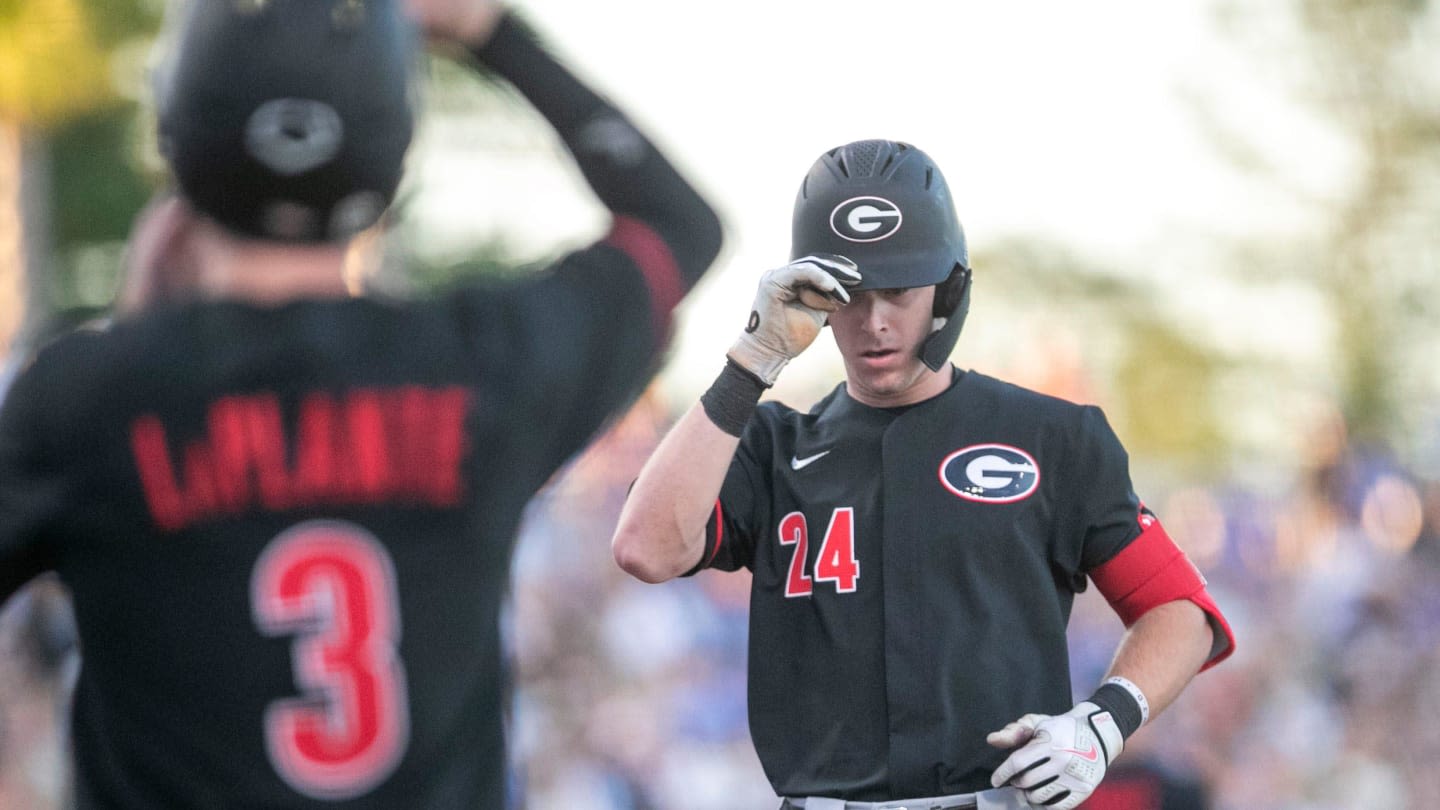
879	334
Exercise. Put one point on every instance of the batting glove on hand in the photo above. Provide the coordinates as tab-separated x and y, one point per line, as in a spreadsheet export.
790	307
1064	756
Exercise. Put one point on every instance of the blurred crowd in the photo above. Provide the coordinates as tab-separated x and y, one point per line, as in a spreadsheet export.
632	697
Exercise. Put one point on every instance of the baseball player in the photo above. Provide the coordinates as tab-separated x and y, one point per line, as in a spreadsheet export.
286	514
918	537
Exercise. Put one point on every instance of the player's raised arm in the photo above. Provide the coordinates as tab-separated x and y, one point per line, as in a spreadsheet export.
661	533
660	221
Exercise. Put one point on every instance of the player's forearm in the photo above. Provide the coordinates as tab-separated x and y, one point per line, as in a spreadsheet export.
1163	650
1159	654
661	533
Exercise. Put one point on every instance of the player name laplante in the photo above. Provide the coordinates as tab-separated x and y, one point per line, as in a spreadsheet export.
369	446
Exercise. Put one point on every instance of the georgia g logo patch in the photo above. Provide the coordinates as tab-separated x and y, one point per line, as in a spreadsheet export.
990	473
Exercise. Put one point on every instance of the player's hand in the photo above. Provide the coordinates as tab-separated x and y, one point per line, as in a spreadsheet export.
790	308
1063	757
465	22
158	267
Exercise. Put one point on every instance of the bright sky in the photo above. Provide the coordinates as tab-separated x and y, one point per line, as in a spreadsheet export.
1058	119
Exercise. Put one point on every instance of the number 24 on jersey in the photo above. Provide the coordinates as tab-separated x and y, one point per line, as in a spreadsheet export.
836	561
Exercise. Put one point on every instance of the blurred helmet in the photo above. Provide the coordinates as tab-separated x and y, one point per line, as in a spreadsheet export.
885	206
288	120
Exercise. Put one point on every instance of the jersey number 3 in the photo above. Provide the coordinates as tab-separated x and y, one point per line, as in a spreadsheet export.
332	586
836	561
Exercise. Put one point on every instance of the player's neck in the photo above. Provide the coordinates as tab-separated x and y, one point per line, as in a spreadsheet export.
271	273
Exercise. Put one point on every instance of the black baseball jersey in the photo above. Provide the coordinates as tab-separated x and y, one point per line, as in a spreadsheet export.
914	570
288	529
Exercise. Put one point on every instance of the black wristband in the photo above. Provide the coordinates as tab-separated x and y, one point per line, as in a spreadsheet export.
1124	709
732	398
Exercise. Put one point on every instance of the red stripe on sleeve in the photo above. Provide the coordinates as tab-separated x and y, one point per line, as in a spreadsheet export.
1151	571
657	264
719	533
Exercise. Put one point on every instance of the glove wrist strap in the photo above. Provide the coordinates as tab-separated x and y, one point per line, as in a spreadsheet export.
1125	703
732	398
1139	696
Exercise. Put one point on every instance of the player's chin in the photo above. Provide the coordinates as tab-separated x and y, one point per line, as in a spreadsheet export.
884	384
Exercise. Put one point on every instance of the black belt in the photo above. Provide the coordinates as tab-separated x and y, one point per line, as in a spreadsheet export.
962	802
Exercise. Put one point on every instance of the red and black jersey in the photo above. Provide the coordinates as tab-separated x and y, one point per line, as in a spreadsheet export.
914	571
287	530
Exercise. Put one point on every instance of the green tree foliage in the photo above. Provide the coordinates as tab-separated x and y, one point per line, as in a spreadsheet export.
1371	70
1160	383
1364	77
55	55
58	92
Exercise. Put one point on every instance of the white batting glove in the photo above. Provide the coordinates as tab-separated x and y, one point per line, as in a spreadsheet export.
790	308
1063	757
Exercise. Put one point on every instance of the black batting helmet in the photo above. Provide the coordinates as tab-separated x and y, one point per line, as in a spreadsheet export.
288	120
886	206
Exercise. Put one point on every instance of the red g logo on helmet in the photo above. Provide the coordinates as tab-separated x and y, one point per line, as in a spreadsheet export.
865	219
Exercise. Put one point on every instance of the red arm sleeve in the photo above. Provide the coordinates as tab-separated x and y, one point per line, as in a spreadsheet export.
1151	571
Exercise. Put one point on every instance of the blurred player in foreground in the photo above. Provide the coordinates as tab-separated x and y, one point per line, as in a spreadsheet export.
286	514
918	537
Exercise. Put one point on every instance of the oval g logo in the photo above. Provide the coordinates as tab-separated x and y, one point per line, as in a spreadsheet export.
865	219
990	473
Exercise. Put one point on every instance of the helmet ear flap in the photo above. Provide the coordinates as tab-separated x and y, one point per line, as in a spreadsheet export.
949	292
952	302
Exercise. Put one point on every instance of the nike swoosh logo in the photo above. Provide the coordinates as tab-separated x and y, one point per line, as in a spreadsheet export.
800	463
1091	755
